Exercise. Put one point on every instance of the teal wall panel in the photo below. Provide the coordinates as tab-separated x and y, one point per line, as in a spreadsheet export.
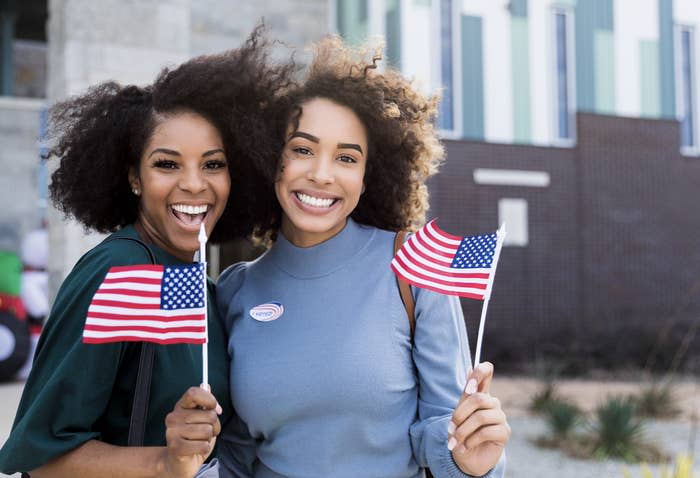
649	79
520	52
604	50
667	83
518	8
393	33
352	20
591	16
472	77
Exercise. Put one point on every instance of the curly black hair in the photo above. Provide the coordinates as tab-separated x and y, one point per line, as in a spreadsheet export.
403	145
102	133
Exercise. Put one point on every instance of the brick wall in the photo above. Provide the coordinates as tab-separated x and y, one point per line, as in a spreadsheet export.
614	247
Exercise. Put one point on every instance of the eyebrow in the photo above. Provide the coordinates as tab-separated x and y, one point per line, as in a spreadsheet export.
172	152
350	146
314	139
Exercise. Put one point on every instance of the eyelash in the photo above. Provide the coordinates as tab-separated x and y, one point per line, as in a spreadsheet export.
306	151
169	164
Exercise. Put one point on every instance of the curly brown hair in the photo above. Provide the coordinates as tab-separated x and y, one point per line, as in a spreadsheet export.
404	148
102	133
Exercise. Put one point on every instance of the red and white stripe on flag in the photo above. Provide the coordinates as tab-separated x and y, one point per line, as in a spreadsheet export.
148	303
435	260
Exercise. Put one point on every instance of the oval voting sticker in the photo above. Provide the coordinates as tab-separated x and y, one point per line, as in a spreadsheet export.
267	312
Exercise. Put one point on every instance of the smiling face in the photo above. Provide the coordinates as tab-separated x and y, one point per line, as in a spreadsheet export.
322	172
182	180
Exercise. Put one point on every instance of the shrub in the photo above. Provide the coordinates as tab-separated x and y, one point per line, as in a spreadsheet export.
617	431
562	418
541	400
657	401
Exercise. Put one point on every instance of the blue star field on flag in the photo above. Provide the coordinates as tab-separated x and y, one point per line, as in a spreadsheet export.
182	287
475	252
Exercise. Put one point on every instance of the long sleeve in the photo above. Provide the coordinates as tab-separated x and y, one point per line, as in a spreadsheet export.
442	358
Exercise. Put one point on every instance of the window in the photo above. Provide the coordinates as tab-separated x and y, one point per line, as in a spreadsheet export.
23	48
563	76
686	88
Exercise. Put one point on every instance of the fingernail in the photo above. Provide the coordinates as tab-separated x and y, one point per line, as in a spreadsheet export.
219	410
205	386
461	449
451	444
471	387
451	427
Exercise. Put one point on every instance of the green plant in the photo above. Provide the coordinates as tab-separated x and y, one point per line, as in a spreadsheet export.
657	401
617	430
562	418
544	398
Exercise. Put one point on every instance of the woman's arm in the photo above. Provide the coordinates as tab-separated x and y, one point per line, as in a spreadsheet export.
442	358
192	429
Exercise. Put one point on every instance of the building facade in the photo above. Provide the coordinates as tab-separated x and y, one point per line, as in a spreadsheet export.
574	121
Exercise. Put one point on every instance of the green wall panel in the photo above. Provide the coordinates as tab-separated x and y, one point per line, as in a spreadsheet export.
667	83
604	71
650	78
472	77
520	53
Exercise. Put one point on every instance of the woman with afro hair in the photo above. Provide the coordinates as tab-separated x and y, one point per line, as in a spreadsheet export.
148	165
327	376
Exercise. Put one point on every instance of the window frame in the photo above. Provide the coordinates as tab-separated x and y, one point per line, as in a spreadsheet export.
557	139
694	148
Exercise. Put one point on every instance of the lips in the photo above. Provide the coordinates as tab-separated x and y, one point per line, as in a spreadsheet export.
188	214
315	201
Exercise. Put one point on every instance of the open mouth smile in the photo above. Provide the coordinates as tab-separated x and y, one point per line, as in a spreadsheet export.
188	214
311	201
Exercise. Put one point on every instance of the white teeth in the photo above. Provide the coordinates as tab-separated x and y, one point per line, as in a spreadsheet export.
312	201
187	209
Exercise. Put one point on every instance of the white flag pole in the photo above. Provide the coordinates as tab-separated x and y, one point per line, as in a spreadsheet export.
500	235
205	346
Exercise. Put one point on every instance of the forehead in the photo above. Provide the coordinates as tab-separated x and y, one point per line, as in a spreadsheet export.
330	121
184	128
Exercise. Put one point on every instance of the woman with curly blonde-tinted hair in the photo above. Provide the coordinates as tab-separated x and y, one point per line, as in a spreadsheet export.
327	378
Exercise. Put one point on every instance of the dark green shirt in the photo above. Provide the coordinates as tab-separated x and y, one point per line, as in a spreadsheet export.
77	392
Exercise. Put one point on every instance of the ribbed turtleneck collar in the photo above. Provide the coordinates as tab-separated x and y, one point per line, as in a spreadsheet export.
323	258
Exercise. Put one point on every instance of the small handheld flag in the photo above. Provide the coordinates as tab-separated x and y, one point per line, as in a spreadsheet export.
465	266
441	262
148	303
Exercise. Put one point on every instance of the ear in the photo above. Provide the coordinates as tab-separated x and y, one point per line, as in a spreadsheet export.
363	188
134	181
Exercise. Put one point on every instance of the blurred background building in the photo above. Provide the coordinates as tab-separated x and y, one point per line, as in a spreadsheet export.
574	121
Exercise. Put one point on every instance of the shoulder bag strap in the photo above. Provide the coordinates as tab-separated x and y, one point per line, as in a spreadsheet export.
139	407
408	303
404	288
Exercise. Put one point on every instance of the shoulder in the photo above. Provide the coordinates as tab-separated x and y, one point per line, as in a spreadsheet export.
94	264
232	278
229	284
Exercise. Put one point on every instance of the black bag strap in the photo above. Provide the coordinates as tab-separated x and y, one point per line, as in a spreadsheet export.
139	407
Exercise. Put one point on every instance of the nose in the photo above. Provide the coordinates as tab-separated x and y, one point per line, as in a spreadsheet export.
193	180
321	170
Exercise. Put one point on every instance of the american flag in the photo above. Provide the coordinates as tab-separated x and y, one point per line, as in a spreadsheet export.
149	303
434	260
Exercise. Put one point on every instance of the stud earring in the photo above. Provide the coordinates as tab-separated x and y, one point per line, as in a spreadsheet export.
135	191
